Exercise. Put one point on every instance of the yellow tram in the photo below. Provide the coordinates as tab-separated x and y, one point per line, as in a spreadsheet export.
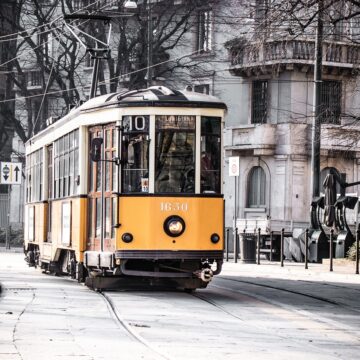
129	186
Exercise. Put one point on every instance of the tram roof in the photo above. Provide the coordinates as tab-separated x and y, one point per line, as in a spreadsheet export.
155	96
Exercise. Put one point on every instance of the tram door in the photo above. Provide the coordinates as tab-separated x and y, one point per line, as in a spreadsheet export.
102	176
49	150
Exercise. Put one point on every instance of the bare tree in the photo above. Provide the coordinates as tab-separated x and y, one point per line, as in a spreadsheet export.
43	48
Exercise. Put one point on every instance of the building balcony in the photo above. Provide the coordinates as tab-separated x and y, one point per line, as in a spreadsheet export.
249	59
268	139
340	138
260	139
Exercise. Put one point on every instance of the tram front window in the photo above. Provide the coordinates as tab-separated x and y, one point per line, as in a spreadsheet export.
175	154
210	154
135	153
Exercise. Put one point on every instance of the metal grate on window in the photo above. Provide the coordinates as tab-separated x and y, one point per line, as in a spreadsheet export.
330	102
259	102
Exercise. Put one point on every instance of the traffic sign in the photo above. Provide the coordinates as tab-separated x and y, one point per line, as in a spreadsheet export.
10	173
234	168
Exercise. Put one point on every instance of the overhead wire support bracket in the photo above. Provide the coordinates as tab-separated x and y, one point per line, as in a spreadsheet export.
101	49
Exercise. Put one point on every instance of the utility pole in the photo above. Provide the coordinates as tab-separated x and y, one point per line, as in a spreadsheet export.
316	124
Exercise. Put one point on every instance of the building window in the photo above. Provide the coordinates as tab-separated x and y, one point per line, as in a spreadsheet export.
330	100
259	102
203	88
77	4
261	11
33	78
89	61
257	187
204	31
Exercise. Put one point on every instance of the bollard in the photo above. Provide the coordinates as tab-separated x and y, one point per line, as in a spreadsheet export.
258	246
357	249
271	245
282	247
306	247
331	248
236	245
227	244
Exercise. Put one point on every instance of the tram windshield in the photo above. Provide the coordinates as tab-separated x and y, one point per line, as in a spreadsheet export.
135	152
210	154
175	154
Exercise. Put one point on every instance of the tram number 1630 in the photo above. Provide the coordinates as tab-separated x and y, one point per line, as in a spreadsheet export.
176	206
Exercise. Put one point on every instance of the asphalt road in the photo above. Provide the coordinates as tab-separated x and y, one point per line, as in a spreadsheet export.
246	312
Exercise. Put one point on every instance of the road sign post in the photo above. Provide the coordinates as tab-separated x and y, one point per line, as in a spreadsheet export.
10	174
234	170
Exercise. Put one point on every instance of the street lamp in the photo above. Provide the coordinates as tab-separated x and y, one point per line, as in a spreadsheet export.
130	4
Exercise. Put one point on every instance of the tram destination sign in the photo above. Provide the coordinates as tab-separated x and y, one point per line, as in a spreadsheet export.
10	173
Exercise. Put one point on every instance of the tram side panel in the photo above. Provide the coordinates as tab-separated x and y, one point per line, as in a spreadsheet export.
35	223
69	224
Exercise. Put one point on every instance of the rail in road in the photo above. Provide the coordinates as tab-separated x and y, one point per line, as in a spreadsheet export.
237	316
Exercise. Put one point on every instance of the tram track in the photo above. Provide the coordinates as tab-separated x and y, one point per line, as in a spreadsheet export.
314	297
127	327
311	316
14	340
290	310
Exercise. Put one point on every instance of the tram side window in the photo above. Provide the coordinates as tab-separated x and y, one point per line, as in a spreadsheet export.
135	152
175	154
34	178
210	154
66	153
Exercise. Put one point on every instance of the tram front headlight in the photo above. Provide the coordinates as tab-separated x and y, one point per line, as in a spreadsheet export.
215	238
174	226
127	238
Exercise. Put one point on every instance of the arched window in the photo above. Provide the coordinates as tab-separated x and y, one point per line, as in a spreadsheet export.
326	171
257	187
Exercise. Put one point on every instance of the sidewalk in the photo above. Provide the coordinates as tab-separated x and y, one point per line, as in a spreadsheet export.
13	249
343	271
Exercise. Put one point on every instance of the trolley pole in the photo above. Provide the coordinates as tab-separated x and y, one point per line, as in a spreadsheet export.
306	247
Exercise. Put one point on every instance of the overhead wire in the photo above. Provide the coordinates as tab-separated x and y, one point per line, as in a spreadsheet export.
45	42
19	33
